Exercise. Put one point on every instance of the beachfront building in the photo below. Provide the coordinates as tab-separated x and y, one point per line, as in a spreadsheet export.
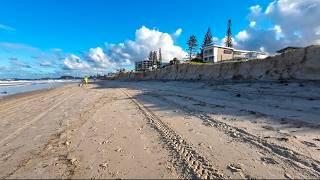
145	65
216	53
153	62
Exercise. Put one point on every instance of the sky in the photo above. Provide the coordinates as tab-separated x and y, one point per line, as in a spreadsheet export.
50	38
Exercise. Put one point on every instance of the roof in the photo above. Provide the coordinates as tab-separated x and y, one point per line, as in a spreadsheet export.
237	50
219	47
288	48
246	51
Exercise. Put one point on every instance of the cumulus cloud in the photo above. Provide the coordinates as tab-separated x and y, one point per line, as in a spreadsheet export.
73	62
145	41
293	23
242	35
99	58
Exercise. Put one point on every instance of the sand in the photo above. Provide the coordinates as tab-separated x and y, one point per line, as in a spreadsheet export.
116	129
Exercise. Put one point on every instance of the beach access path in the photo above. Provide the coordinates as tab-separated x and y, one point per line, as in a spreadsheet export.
149	129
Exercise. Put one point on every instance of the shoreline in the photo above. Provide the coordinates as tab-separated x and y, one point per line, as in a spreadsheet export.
30	93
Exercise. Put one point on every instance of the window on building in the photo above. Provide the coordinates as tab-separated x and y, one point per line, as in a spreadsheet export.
227	51
208	52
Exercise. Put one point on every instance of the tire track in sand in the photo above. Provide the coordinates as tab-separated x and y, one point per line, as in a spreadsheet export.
309	165
194	162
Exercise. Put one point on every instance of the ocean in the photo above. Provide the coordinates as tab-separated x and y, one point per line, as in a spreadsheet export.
21	86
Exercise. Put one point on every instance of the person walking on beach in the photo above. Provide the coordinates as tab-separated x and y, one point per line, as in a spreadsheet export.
85	80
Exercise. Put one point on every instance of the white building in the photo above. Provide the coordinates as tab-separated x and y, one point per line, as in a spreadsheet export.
220	53
145	65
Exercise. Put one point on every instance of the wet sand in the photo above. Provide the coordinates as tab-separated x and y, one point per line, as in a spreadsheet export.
116	129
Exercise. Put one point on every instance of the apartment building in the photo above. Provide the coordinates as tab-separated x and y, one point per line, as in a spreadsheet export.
145	65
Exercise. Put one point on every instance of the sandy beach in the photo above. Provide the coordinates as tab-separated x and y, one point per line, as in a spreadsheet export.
153	129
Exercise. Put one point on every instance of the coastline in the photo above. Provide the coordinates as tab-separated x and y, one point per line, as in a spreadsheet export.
31	93
30	89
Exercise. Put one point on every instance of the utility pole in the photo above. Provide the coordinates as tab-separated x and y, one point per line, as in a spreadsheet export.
228	41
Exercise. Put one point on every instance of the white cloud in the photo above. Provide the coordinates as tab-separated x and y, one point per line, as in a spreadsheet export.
178	32
17	46
145	41
296	7
73	62
262	49
255	10
99	58
253	24
278	31
6	27
222	41
291	23
242	35
270	8
114	56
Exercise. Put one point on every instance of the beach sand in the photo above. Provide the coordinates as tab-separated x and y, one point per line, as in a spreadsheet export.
116	129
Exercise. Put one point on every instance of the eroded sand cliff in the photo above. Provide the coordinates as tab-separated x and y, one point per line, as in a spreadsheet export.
302	64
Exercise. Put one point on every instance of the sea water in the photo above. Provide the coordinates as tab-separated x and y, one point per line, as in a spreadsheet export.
8	87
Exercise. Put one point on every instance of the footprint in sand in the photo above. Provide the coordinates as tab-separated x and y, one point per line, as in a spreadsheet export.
309	144
268	160
103	165
104	142
119	149
285	139
316	139
235	167
268	128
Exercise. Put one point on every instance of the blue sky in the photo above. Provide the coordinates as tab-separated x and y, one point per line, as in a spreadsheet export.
55	37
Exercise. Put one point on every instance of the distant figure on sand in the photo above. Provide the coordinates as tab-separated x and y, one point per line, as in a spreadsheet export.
85	80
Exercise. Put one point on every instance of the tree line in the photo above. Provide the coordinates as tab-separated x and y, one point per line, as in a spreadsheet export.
192	43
